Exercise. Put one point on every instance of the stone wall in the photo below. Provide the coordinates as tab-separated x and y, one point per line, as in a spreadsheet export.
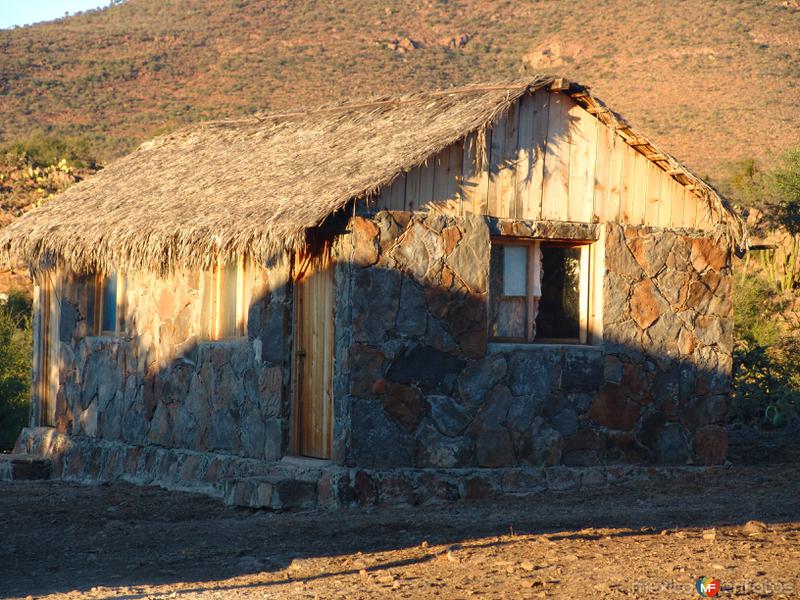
160	384
418	384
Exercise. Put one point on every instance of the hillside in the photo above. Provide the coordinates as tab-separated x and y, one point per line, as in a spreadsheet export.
710	80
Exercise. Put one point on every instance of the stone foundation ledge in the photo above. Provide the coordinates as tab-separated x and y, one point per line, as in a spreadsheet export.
90	460
341	488
286	485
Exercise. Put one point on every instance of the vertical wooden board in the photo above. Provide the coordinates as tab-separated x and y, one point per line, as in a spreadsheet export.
474	180
530	159
496	153
524	158
440	167
616	169
678	201
583	154
507	176
602	172
383	198
426	172
555	188
627	195
689	208
640	177
456	164
399	192
705	217
652	207
412	188
447	172
665	201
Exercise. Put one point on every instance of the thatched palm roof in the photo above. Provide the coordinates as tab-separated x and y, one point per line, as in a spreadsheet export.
256	185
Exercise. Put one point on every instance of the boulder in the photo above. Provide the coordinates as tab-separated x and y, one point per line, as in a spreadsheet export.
711	444
610	408
616	290
542	445
479	377
469	261
583	449
467	323
437	450
646	303
582	370
366	369
365	241
707	253
565	422
534	372
674	286
671	445
430	369
619	258
419	252
376	440
651	251
404	404
493	447
449	416
412	313
376	299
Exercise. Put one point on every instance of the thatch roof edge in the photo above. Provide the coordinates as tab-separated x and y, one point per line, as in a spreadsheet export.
36	240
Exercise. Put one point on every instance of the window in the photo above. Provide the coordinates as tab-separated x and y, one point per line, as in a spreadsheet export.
109	304
224	310
538	291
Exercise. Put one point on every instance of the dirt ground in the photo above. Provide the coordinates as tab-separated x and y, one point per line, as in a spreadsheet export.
634	541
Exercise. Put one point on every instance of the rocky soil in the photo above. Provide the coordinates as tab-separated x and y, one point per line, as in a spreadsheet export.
653	540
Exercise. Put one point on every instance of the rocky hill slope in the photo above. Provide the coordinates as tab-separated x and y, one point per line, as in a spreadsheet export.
711	80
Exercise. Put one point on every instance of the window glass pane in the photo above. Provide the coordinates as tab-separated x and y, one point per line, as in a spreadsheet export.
507	313
559	307
228	287
109	316
515	270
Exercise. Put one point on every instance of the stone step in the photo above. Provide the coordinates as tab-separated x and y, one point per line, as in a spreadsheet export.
275	492
17	467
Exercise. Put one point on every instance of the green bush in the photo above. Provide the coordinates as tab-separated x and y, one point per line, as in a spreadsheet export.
766	374
43	151
15	366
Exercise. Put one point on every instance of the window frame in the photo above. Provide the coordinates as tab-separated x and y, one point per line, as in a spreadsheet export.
213	280
121	304
533	272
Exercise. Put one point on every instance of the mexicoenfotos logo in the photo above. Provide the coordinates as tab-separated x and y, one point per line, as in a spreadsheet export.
707	586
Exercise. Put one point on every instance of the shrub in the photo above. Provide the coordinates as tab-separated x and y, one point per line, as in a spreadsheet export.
766	376
15	366
44	151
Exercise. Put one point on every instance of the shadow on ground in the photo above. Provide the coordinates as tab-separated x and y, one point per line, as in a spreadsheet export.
59	537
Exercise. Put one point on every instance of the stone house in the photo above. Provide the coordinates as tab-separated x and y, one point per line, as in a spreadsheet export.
490	289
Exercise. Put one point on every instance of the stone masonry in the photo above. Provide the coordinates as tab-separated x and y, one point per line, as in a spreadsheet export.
420	386
160	384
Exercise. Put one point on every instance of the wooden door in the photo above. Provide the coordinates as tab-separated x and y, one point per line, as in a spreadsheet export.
313	406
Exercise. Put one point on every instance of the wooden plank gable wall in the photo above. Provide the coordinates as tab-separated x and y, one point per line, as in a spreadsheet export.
550	159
